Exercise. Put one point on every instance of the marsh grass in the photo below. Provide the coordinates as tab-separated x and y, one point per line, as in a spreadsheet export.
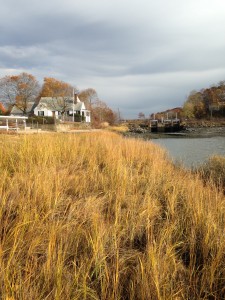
121	128
97	216
214	170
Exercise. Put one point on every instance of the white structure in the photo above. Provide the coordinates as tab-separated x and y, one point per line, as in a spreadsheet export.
65	108
12	122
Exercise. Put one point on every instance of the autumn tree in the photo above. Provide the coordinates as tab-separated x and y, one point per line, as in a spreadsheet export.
2	109
141	115
89	97
56	88
194	106
100	113
19	90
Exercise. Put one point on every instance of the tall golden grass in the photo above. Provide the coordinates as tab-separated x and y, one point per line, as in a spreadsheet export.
98	216
214	170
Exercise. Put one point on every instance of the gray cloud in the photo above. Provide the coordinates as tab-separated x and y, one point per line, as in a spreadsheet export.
139	55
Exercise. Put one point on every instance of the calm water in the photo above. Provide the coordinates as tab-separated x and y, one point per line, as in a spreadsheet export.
192	151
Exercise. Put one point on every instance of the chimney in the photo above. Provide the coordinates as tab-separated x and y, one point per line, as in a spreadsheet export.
75	98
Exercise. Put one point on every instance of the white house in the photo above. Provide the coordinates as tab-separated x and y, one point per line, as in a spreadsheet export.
65	108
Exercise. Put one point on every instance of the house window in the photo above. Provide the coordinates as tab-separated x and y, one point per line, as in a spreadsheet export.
41	113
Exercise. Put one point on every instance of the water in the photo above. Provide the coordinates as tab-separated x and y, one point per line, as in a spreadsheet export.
192	152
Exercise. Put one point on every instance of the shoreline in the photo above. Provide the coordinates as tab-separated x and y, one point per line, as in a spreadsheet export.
191	132
188	129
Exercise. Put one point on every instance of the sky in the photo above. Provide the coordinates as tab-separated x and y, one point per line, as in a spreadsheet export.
139	55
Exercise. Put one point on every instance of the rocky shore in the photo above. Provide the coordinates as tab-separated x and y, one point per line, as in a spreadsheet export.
191	131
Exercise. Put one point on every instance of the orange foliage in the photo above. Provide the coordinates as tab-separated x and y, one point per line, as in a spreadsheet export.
2	109
13	78
55	88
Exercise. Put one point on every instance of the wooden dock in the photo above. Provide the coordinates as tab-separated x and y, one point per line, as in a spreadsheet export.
168	125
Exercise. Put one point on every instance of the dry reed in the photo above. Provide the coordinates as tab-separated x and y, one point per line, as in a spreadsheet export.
98	216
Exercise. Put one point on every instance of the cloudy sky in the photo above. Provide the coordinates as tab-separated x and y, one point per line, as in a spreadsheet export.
139	55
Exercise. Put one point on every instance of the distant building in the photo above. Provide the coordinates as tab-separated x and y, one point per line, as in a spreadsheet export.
62	108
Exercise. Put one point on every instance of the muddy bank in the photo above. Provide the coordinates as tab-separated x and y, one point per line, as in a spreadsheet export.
190	132
205	131
205	123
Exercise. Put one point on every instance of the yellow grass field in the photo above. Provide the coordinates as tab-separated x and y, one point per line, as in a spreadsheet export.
98	216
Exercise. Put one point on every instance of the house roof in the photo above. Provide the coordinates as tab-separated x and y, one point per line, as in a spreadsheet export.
60	103
17	111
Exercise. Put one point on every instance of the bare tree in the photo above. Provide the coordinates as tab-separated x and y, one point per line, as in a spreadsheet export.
19	90
89	97
141	115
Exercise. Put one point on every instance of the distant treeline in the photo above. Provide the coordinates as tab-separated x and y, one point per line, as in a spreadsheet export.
206	103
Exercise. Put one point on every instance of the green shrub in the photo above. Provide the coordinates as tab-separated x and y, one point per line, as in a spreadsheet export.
41	120
78	118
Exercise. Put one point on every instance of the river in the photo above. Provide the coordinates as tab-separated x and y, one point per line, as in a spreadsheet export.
192	152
